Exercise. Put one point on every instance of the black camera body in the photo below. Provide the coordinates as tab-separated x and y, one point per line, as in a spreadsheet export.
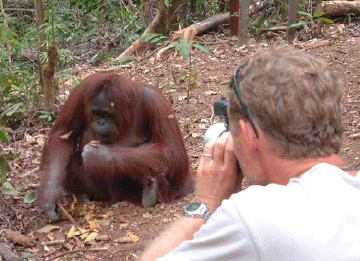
217	129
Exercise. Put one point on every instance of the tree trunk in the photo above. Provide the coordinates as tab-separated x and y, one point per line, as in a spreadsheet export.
243	34
164	21
48	78
147	12
46	72
234	20
292	18
338	8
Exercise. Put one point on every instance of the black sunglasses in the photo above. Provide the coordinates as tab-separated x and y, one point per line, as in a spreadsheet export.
239	96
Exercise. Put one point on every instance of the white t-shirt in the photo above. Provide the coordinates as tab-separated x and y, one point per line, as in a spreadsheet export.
314	217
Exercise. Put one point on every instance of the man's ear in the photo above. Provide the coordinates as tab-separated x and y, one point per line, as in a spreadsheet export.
250	138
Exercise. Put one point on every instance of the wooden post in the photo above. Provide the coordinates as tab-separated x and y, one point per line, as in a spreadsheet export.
234	20
243	34
292	19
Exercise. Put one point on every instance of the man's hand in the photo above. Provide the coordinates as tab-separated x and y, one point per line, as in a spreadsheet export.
217	176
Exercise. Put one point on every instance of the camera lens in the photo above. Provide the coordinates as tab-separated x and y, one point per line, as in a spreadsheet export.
214	131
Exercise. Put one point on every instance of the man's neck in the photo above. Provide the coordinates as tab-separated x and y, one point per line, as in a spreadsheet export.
288	168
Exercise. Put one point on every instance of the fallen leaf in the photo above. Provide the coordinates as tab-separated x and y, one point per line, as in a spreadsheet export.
91	237
129	239
71	232
29	139
47	229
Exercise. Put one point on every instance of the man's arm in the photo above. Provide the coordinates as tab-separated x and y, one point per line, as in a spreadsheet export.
217	179
184	229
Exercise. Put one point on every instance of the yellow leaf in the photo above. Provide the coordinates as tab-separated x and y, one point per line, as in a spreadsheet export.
92	237
51	236
71	232
129	239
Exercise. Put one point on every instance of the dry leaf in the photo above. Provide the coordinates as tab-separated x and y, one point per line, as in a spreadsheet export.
129	239
71	232
103	238
91	237
47	229
51	236
29	139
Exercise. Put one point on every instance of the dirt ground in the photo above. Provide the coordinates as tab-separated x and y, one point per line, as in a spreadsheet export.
125	222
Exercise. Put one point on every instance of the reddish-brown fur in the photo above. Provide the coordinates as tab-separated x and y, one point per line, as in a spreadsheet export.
149	145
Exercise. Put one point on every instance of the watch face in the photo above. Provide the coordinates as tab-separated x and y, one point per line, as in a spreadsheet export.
193	206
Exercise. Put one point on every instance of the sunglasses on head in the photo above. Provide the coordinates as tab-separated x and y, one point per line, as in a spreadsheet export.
239	96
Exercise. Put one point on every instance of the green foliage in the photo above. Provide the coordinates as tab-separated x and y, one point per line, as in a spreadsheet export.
316	17
17	92
31	197
3	164
182	47
348	17
159	39
45	115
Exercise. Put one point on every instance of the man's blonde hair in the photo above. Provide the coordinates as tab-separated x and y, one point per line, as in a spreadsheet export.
294	98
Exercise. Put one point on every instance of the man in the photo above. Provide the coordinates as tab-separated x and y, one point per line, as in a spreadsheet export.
302	203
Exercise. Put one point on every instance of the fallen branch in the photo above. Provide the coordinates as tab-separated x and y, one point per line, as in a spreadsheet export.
338	8
117	68
75	251
312	45
275	28
66	214
191	31
51	243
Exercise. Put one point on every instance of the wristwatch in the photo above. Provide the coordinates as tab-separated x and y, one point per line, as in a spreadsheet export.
197	209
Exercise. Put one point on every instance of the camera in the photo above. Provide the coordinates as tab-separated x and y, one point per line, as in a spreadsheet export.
217	129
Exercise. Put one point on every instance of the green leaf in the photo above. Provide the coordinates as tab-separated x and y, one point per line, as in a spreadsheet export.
182	75
3	169
301	23
31	197
318	14
194	75
18	88
326	20
14	109
167	3
155	40
305	13
43	117
127	59
3	137
177	45
45	112
26	255
185	50
202	48
148	37
8	189
192	85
